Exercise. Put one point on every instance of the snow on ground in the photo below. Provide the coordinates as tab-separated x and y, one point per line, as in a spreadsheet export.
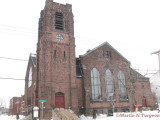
6	117
12	117
145	115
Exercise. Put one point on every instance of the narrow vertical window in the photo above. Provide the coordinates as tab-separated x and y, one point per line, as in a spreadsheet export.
64	55
122	86
109	85
58	21
95	84
55	52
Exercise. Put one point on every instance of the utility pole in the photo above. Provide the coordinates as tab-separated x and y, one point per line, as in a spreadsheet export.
158	53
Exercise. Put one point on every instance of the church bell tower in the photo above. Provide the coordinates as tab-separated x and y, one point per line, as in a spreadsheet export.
56	67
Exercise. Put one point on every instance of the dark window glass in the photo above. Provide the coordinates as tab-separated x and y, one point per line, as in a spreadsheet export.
55	52
100	111
107	54
64	54
124	110
29	101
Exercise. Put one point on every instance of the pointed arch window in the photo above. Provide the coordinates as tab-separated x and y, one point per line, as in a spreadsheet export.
95	84
30	78
109	85
122	86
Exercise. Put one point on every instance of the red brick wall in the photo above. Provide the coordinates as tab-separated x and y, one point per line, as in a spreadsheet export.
79	82
142	90
30	92
56	73
97	60
115	63
16	105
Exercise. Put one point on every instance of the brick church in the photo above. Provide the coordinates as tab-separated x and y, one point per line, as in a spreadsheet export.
101	80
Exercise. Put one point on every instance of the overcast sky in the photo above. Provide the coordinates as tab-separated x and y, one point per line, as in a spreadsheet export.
132	27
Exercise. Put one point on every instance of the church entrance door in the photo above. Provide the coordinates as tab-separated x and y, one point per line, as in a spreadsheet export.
59	100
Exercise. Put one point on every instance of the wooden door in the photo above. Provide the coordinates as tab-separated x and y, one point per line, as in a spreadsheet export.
59	100
144	103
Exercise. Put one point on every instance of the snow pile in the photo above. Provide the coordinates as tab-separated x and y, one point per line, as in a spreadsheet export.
6	117
12	117
82	117
21	116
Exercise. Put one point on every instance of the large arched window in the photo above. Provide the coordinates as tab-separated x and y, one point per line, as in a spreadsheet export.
122	86
109	85
95	84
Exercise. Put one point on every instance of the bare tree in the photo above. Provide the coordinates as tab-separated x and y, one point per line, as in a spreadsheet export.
3	108
2	103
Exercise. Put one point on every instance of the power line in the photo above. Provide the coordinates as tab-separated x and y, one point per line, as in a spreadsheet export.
11	78
27	60
16	30
32	36
12	59
33	33
18	27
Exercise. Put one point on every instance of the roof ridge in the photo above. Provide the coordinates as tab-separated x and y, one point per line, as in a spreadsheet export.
102	45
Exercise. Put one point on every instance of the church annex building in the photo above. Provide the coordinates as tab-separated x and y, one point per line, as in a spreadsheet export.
101	80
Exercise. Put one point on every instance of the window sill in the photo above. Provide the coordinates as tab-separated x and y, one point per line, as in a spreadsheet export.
123	100
96	100
110	100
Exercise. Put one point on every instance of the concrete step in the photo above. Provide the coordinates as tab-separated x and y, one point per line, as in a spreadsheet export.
64	114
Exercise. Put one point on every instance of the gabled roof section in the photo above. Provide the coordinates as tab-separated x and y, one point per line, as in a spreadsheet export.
102	45
138	77
33	58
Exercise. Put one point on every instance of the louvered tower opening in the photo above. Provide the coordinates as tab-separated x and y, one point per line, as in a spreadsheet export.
59	21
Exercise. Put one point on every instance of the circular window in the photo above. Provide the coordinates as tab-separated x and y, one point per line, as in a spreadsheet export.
59	37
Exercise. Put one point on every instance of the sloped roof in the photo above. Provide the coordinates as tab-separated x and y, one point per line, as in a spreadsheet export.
101	46
78	68
138	77
33	58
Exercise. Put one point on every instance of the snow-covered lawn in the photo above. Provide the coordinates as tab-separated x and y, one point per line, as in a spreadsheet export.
12	117
6	117
145	115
